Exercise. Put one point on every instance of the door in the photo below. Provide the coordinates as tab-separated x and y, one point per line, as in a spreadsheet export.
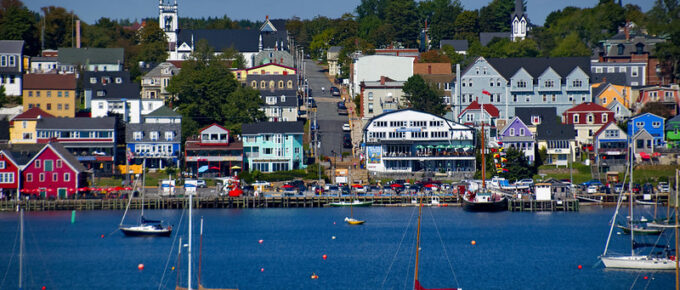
43	192
61	193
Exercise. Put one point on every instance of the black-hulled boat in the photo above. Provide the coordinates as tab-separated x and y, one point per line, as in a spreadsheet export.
146	228
484	202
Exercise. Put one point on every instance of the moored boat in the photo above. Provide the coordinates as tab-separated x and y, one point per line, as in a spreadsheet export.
353	203
484	202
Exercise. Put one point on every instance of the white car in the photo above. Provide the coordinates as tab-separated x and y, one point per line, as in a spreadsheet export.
663	187
593	189
346	127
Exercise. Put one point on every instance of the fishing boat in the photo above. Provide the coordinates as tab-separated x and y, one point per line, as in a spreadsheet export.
633	261
416	281
484	200
146	227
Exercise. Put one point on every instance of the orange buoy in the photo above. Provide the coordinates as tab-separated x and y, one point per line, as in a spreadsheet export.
314	276
580	267
473	242
173	268
43	287
140	266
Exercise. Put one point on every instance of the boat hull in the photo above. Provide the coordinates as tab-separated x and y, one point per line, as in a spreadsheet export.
359	204
640	231
638	262
485	206
352	221
146	231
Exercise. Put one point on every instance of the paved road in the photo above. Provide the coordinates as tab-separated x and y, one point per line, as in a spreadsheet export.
330	123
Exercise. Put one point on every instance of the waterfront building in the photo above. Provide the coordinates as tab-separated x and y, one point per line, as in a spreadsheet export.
213	152
372	68
280	105
53	93
123	100
516	135
535	82
611	147
410	141
53	172
11	66
587	118
93	83
72	59
155	81
643	145
156	140
22	129
12	158
673	132
91	140
381	96
666	95
652	124
273	146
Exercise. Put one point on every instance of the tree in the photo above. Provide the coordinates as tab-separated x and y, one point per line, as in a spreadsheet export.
422	97
467	25
496	15
518	166
571	46
441	16
3	97
434	56
58	27
402	14
207	92
664	19
658	109
152	43
453	56
19	23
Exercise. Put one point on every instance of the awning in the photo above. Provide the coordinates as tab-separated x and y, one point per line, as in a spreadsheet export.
203	168
644	155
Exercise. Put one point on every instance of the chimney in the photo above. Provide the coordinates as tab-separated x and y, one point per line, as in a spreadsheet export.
77	33
429	69
382	80
625	30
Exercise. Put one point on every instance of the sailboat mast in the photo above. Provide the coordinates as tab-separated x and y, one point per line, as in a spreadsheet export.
143	182
21	247
200	253
189	249
179	258
631	196
483	158
420	208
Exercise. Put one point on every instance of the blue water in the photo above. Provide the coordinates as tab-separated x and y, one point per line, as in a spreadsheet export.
512	251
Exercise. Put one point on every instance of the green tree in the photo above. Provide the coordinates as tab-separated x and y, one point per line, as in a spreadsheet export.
518	166
321	42
19	23
467	25
434	56
152	43
207	92
402	14
441	16
453	56
571	46
664	19
3	97
658	109
59	25
422	97
496	15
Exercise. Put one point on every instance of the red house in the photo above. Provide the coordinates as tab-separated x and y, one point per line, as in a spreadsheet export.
12	158
53	172
587	118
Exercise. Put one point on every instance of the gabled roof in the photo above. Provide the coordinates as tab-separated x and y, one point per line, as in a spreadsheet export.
457	44
272	127
334	49
269	64
116	91
555	131
598	90
157	71
643	114
32	114
507	126
448	122
489	108
163	111
213	125
642	133
604	127
673	122
21	154
49	81
586	107
547	114
91	55
103	123
613	78
290	101
535	66
59	149
243	40
11	46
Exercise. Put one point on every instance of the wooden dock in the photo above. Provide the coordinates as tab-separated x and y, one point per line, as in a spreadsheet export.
543	205
215	202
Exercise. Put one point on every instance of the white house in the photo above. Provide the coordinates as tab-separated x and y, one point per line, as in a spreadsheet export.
123	100
371	68
11	68
410	141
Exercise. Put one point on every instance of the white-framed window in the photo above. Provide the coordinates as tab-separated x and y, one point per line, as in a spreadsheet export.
67	176
622	69
41	177
278	138
577	83
598	69
169	135
469	117
639	124
2	164
59	163
370	96
521	131
7	177
12	60
604	117
512	131
3	60
549	83
656	124
37	163
521	84
29	177
154	135
634	71
535	120
590	118
138	135
611	69
528	99
55	176
575	118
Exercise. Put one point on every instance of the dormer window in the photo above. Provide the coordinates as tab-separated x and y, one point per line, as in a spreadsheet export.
577	83
620	49
639	48
549	83
93	80
521	84
154	135
535	120
119	80
137	135
604	117
283	98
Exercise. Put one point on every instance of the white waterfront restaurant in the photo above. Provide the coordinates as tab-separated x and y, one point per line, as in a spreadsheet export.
410	141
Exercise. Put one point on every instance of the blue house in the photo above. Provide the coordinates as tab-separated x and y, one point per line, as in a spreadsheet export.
157	139
273	146
653	124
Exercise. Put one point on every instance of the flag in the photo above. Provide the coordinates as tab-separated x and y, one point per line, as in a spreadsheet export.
486	92
130	155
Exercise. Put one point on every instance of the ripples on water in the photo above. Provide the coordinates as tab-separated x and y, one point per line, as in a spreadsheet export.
512	251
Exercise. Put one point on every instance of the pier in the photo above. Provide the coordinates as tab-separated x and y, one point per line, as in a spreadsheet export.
543	205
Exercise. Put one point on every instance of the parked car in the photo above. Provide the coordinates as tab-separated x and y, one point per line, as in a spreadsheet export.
618	187
311	103
313	125
335	91
592	182
593	189
342	109
346	127
647	188
347	141
200	183
663	187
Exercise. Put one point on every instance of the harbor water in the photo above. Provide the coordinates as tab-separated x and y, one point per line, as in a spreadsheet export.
511	250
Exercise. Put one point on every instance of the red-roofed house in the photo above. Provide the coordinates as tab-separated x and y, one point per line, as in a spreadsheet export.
587	118
22	129
472	115
213	153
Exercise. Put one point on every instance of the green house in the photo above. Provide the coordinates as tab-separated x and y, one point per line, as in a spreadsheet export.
673	132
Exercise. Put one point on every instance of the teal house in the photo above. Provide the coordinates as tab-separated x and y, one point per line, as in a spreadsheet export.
673	132
273	146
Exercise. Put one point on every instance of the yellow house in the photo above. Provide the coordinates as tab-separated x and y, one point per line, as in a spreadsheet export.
241	75
605	93
22	127
53	93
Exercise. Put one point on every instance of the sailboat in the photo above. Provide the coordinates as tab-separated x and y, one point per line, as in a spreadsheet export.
633	261
351	220
146	227
200	255
416	282
484	200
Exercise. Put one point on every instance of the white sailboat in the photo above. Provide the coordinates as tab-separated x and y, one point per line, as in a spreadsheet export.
145	227
633	261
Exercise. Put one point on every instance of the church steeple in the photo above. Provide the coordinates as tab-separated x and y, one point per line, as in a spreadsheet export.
168	21
519	21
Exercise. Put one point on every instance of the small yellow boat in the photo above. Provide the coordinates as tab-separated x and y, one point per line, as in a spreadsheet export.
353	221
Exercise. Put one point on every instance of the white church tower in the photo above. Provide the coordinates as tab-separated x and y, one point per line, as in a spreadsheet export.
519	22
168	21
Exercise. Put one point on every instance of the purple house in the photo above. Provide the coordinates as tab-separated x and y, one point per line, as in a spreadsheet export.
517	135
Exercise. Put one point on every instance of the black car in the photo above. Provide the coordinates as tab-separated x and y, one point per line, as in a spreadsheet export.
347	141
335	92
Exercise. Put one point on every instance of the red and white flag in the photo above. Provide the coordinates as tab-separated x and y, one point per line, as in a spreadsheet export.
486	92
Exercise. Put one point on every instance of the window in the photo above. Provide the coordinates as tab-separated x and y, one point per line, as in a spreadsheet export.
49	94
577	83
491	83
514	98
622	69
521	84
169	135
549	83
2	164
29	177
590	118
253	84
48	165
65	106
590	133
604	117
521	131
41	177
656	124
67	176
528	99
137	135
93	80
620	48
575	118
280	84
370	96
598	69
55	176
512	131
7	177
634	71
30	93
12	60
37	93
59	107
119	80
49	106
59	163
545	98
535	120
271	84
263	84
37	164
3	60
370	108
639	124
154	135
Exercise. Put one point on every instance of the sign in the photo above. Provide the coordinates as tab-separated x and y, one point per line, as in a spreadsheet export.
374	154
341	172
403	129
341	179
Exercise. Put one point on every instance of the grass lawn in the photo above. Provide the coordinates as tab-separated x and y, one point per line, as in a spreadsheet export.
581	173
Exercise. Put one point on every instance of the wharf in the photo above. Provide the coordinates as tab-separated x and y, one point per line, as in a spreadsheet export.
543	205
216	202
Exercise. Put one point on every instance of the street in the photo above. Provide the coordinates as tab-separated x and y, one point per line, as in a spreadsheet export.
330	123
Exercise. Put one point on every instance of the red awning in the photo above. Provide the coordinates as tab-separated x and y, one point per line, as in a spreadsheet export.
287	186
396	185
644	155
357	185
